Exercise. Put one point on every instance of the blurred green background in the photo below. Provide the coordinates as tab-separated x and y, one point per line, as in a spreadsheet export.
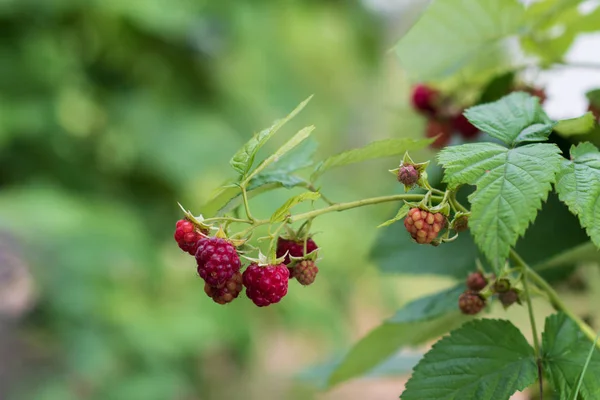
111	112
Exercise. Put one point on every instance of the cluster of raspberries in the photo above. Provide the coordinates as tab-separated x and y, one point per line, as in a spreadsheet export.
472	301
445	120
218	263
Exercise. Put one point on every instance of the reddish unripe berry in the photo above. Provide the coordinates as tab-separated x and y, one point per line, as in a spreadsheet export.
226	294
424	226
424	98
266	285
509	298
501	286
408	175
305	272
476	281
461	223
217	261
470	302
294	247
187	236
442	128
461	124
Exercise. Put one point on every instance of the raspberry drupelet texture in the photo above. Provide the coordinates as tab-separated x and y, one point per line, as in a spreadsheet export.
294	247
408	175
476	281
305	272
461	223
424	98
226	294
187	236
442	128
424	226
471	303
509	298
217	261
266	285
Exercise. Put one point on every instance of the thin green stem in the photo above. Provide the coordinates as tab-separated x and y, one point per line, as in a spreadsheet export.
455	202
246	204
358	203
228	219
559	305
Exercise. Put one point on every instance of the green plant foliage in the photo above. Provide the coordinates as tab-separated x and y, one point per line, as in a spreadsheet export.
281	213
565	352
483	359
453	35
576	126
578	185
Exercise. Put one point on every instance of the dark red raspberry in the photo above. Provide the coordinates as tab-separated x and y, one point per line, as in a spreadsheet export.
266	285
187	236
424	98
408	175
294	247
470	302
476	281
509	298
434	128
461	124
501	286
231	290
217	261
305	272
424	226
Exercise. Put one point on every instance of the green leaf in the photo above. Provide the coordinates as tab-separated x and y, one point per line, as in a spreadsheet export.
300	136
387	339
429	307
497	88
282	212
575	392
299	158
374	150
484	360
578	185
514	119
453	35
401	214
565	350
511	184
576	126
242	160
594	97
583	253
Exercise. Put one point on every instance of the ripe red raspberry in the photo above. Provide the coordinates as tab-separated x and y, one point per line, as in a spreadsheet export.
266	285
294	247
470	302
435	128
476	281
461	124
408	175
187	236
305	272
231	290
424	226
217	261
424	98
509	298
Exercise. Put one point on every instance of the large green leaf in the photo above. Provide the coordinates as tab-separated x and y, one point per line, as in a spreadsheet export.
578	185
484	360
513	119
379	149
242	160
282	212
576	126
387	339
565	350
455	34
511	184
429	307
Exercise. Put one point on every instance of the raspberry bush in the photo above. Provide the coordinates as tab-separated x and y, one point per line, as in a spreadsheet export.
502	161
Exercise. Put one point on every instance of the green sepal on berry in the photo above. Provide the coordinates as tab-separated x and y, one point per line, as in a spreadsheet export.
264	260
312	256
460	223
197	221
410	173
